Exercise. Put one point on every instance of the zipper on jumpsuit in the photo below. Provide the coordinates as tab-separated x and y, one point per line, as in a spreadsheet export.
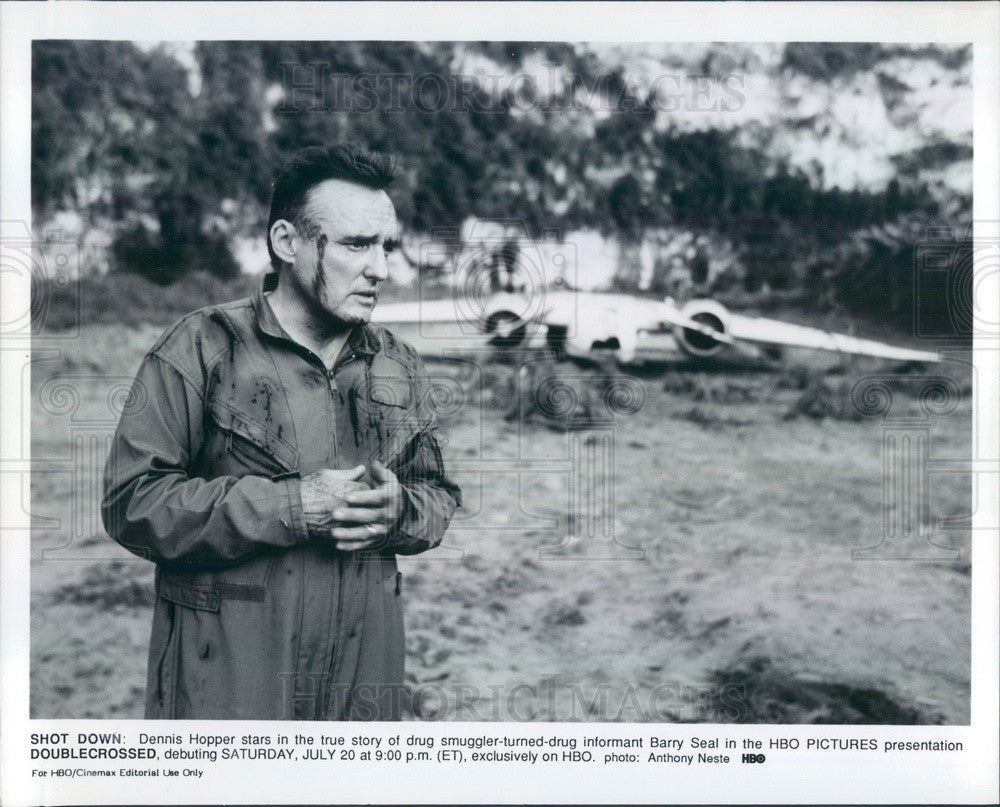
337	620
324	693
333	638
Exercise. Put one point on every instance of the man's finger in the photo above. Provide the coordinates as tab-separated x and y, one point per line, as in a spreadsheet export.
353	474
360	515
382	474
354	546
367	532
379	495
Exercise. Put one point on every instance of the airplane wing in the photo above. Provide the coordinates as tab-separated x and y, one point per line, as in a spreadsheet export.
417	311
432	326
709	320
754	329
701	328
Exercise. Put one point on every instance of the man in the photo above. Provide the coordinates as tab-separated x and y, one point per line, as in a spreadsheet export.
276	455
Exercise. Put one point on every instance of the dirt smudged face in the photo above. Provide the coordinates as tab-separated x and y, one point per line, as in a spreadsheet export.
319	279
347	232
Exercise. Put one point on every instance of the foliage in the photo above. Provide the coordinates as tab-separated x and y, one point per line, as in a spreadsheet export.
172	254
130	300
176	161
116	136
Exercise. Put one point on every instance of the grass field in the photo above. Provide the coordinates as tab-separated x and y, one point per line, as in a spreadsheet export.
699	570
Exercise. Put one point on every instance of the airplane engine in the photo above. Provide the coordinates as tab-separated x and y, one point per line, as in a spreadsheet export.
696	344
506	329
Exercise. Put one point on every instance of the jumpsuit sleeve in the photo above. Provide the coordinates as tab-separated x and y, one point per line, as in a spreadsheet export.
154	507
430	498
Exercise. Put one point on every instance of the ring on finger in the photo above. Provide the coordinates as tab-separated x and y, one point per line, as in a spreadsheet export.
372	528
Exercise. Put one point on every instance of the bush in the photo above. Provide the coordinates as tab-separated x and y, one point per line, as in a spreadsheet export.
165	260
131	300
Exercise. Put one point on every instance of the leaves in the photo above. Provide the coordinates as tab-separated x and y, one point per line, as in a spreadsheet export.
174	150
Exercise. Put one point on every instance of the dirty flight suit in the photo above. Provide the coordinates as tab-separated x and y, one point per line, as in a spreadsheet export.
254	619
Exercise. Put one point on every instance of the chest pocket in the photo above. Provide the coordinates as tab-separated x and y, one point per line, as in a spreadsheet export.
241	445
391	391
393	407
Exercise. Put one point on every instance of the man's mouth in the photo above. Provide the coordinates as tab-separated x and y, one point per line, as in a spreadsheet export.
370	296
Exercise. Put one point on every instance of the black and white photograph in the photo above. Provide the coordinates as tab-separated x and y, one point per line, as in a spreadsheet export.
562	382
658	300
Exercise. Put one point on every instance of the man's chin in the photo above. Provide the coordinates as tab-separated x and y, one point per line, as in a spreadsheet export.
355	316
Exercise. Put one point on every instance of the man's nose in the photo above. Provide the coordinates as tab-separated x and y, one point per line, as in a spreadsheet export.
377	266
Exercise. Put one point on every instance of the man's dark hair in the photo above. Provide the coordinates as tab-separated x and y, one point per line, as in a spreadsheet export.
316	164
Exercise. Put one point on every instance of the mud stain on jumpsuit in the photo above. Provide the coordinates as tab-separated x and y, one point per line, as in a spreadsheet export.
374	420
352	411
311	378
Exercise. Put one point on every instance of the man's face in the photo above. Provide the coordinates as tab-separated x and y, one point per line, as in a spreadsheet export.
345	233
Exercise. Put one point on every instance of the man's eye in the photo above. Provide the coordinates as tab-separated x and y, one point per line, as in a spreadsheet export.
390	246
357	247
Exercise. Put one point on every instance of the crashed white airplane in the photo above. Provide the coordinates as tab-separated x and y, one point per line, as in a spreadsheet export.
631	329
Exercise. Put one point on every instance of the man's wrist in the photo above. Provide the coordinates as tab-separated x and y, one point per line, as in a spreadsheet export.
407	518
293	520
318	517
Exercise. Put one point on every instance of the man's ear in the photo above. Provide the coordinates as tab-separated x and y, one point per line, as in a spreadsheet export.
283	240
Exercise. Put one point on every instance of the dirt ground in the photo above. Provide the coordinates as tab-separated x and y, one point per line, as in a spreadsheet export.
684	554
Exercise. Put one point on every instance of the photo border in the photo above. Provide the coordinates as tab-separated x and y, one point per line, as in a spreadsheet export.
969	777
